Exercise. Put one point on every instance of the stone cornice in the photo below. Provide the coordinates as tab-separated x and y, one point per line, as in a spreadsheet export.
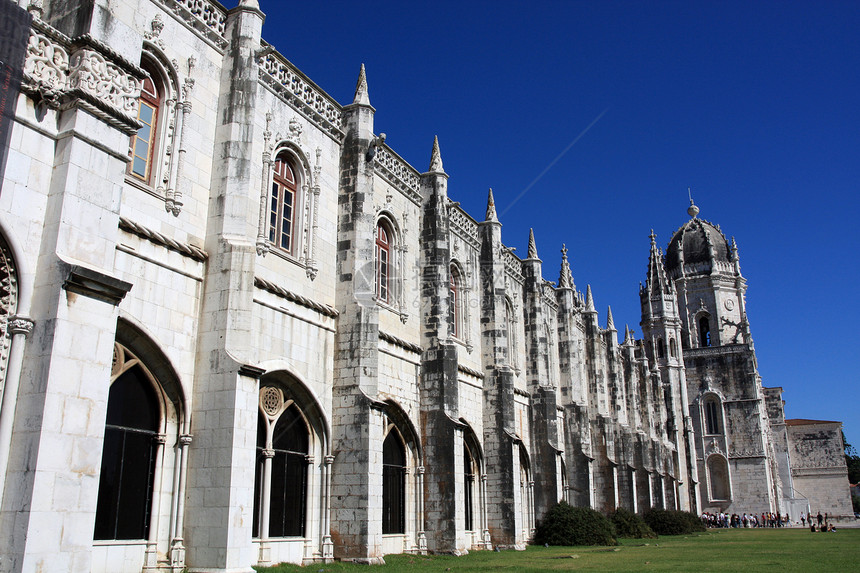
95	284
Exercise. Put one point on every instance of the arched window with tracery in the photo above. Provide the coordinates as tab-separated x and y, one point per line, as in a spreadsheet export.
384	244
718	477
284	204
704	331
713	416
393	484
144	143
280	490
129	454
661	348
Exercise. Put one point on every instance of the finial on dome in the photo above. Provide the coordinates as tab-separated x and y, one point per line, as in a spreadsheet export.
361	95
692	210
491	208
532	246
653	237
436	157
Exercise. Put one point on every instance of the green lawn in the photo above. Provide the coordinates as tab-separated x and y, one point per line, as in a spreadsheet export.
747	550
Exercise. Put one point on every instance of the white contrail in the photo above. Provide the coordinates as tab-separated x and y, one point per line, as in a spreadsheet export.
554	161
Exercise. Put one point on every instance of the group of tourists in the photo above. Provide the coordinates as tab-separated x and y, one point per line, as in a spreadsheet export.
819	523
767	519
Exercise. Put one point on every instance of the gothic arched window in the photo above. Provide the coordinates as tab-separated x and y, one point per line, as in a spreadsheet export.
661	348
673	348
712	416
282	444
128	457
704	331
469	475
284	204
718	476
144	142
512	332
384	238
455	311
393	484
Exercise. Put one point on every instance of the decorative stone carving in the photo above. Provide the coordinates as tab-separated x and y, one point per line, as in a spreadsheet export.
92	74
156	26
46	69
21	325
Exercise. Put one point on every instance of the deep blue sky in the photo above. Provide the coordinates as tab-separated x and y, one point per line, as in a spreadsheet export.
755	105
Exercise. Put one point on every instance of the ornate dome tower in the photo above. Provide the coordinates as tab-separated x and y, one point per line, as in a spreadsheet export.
705	269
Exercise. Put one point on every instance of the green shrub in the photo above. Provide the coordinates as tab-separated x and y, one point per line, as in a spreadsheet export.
671	522
567	525
630	525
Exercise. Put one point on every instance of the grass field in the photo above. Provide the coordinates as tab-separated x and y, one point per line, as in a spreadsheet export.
747	550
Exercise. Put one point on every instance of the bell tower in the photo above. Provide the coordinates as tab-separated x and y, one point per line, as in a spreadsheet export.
706	271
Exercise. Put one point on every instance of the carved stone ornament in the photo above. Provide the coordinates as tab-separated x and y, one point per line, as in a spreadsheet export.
46	69
730	304
295	131
103	80
156	26
21	325
271	401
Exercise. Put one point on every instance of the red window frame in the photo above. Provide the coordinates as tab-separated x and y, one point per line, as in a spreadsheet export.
283	205
383	262
142	145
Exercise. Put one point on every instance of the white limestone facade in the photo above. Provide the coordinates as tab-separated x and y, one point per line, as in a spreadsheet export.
239	329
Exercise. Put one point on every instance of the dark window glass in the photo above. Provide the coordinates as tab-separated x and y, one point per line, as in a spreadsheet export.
128	459
469	473
288	493
712	418
661	348
393	485
704	331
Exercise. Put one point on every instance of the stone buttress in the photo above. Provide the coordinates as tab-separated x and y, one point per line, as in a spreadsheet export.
544	418
441	429
51	488
224	415
357	430
500	440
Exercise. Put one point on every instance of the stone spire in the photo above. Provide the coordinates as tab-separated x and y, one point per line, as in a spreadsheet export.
610	323
436	157
361	95
628	336
532	247
589	300
565	278
491	209
656	282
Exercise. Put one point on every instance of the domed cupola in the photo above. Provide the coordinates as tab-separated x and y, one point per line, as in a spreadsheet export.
697	247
